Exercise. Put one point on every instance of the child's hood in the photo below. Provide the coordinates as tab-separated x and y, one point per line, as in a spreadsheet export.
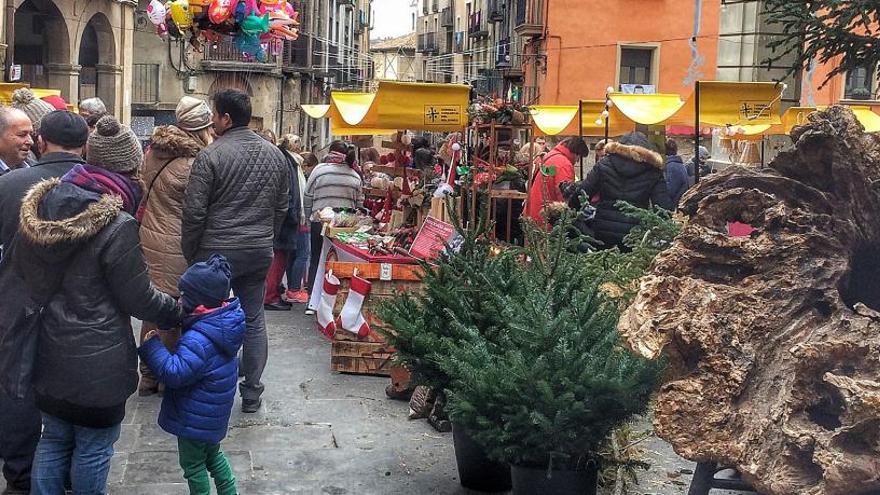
224	327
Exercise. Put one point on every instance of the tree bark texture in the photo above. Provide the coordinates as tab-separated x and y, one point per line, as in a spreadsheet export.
773	340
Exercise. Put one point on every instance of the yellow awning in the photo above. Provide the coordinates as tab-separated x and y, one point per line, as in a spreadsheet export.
43	92
352	107
316	111
550	120
732	103
591	115
647	109
869	119
752	132
421	106
416	106
795	116
340	128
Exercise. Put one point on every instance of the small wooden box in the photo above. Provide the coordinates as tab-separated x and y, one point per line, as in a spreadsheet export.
361	358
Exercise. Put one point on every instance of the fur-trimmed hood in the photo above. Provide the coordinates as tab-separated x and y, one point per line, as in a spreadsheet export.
171	141
90	213
636	153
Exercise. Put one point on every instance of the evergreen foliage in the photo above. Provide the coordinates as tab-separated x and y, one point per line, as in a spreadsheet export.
551	387
459	291
842	34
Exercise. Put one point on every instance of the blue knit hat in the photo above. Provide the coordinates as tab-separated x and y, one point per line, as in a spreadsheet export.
205	283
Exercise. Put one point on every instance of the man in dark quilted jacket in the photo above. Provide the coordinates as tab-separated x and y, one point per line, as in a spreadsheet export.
236	202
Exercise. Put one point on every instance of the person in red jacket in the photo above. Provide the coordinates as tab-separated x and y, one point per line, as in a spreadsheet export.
558	168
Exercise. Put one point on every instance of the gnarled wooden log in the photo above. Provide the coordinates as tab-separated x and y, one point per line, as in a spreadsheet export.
774	339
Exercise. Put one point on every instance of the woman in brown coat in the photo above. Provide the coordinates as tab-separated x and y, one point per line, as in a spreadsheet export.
166	170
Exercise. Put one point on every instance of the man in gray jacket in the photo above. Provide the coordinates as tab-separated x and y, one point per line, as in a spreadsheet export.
236	202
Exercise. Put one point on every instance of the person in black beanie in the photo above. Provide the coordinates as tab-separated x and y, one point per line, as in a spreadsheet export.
62	137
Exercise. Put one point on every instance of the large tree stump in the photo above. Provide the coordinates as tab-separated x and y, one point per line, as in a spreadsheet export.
773	340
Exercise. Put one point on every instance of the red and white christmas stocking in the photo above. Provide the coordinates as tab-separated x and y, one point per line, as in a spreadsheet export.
325	310
352	318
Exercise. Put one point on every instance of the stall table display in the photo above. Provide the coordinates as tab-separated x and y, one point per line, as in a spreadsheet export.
369	354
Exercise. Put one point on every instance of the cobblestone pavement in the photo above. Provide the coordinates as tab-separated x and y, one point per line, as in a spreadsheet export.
320	432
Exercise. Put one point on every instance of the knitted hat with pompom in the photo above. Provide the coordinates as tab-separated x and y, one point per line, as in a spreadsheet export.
114	146
35	108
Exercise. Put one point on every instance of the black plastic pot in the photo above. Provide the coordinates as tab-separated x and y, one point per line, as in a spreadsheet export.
534	481
475	470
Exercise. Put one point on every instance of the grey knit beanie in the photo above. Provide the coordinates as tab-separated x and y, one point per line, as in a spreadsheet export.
35	108
114	146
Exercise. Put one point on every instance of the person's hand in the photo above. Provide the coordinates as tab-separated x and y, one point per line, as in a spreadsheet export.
151	334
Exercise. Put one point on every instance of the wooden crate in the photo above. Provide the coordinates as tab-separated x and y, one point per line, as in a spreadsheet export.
371	354
361	358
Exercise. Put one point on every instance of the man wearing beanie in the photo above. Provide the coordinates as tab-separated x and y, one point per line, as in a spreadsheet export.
61	142
236	201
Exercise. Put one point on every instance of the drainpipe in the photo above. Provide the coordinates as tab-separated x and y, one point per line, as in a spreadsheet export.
558	65
10	34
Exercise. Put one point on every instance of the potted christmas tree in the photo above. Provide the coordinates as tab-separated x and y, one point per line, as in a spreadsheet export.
458	289
545	394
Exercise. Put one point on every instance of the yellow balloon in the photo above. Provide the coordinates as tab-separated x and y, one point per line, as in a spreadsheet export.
180	14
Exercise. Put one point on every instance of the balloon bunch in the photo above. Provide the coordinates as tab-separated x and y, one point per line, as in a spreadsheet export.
254	25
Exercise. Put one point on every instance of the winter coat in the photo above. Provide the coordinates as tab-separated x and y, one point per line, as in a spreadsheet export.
201	376
676	178
13	187
160	231
81	251
237	195
628	172
562	160
286	238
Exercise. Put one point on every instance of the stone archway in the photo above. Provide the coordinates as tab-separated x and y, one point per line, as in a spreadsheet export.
97	59
42	46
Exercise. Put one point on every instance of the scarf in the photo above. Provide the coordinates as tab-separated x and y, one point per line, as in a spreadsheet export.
334	157
102	181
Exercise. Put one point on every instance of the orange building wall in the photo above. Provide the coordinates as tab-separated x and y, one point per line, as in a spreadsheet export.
583	37
832	92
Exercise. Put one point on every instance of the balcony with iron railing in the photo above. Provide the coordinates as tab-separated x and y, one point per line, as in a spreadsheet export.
427	43
530	18
447	17
477	25
496	10
295	57
144	84
507	60
225	56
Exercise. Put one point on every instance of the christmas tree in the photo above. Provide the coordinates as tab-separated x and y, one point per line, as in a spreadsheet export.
554	382
459	291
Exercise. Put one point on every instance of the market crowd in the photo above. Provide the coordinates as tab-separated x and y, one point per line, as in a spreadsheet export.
192	235
196	236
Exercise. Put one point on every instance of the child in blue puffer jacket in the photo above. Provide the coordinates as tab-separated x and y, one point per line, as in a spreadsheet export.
201	375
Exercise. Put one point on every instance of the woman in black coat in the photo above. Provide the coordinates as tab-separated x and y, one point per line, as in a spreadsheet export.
78	253
631	171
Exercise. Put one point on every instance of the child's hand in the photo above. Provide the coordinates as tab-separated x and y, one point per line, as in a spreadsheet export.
150	335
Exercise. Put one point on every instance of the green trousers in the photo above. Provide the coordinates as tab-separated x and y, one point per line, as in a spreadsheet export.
197	460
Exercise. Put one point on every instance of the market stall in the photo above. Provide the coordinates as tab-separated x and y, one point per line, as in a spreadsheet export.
379	247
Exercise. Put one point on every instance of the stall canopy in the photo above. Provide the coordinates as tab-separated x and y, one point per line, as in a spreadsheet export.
725	104
394	106
649	109
555	120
